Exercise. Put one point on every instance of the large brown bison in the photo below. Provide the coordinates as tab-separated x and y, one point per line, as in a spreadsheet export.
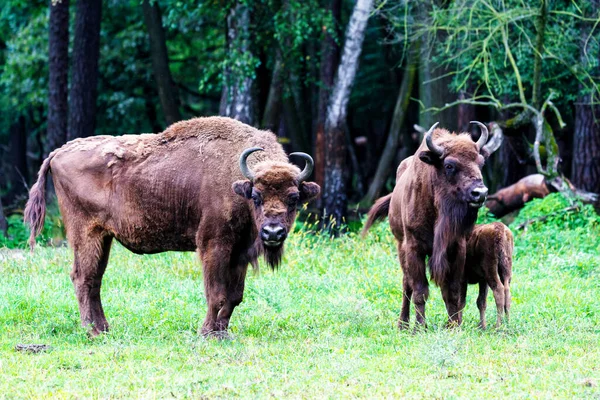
489	263
432	211
211	184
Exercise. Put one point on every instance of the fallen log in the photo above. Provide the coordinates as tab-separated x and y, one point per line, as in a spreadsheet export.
515	196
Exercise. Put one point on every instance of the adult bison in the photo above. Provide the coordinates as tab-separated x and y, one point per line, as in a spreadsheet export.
179	190
432	211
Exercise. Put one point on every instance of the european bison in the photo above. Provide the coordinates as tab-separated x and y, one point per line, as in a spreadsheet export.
432	211
489	263
211	184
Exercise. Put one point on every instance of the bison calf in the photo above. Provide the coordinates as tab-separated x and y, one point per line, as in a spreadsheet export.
489	263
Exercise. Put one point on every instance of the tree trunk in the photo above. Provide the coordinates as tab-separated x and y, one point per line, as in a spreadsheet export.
237	98
58	66
19	175
393	139
167	91
586	142
3	222
330	56
434	80
272	114
84	80
335	197
586	146
515	196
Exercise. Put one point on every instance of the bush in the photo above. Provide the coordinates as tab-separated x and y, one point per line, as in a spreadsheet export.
556	211
18	231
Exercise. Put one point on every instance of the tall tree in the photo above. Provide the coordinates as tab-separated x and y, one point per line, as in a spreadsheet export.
3	222
272	113
237	99
335	201
586	142
19	175
58	81
330	57
84	79
393	141
160	62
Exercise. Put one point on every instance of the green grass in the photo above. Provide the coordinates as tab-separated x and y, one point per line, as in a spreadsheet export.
322	326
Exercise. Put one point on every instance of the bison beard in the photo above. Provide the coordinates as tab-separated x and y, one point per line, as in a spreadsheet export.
273	255
455	223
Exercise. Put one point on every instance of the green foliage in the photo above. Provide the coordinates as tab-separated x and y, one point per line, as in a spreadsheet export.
557	212
18	231
484	216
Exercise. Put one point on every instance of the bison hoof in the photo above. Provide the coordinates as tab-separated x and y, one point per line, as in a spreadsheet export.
218	335
403	325
94	332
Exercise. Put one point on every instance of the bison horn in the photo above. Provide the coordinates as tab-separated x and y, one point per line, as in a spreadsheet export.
308	167
434	148
244	162
484	134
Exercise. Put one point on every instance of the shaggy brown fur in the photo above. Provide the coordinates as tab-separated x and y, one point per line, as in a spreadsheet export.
489	263
180	190
431	216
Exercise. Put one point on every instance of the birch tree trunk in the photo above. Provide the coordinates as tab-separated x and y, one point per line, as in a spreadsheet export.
84	79
58	80
160	62
393	139
335	198
237	98
330	58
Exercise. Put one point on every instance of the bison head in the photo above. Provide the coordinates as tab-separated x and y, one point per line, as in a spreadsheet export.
458	161
275	188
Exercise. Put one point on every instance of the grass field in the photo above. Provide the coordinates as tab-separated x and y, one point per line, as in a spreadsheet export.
322	326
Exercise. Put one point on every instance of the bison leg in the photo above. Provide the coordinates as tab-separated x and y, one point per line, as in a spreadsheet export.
451	295
498	291
235	294
91	256
407	292
482	303
417	281
224	286
507	298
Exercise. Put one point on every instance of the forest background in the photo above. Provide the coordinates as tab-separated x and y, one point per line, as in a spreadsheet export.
345	81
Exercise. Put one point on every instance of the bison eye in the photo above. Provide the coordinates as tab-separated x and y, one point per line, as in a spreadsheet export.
449	167
293	199
257	198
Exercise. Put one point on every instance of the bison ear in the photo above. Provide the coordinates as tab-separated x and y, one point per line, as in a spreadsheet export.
429	157
243	188
308	191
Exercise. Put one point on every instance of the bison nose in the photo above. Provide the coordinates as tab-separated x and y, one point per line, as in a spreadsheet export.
272	234
479	194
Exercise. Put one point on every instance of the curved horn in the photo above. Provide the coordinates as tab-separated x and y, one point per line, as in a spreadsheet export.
484	134
308	167
244	162
434	148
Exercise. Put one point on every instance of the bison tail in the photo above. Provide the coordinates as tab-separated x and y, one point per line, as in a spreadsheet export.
377	213
35	210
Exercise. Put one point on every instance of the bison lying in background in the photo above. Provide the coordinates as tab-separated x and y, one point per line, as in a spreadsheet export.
191	187
432	211
489	263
